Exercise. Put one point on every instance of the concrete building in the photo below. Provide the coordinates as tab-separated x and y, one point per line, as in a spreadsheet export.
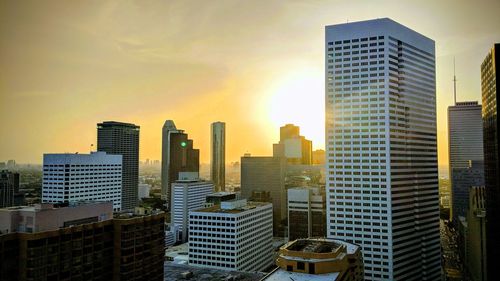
123	139
306	212
382	173
218	155
9	188
318	260
475	257
178	155
465	140
489	84
144	190
187	195
218	197
318	157
89	177
294	147
235	235
266	174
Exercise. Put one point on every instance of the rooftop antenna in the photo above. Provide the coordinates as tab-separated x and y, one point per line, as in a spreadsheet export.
454	83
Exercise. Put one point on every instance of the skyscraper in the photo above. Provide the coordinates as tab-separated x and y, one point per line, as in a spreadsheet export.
123	139
178	155
9	187
465	135
294	147
218	160
489	85
382	175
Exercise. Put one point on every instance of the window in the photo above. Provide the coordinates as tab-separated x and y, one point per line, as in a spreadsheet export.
301	265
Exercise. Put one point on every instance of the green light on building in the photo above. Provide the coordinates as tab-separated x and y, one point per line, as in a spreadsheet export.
183	144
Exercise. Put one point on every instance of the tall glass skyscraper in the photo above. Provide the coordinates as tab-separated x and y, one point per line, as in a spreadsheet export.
382	174
123	139
218	152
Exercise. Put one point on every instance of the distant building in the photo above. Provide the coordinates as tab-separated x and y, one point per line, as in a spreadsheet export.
178	155
89	177
319	157
123	139
306	213
9	188
187	195
266	174
235	235
318	260
294	147
490	77
475	258
144	190
218	155
218	197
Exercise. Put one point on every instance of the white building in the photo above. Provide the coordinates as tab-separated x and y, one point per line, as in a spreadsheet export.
187	195
144	190
306	212
382	174
235	235
82	177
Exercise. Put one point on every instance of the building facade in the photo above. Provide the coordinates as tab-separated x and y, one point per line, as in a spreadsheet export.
306	212
475	257
9	188
218	153
266	174
82	177
382	174
123	139
294	147
489	86
235	235
465	140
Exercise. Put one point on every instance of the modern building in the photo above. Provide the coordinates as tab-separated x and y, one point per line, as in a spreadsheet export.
218	153
9	188
382	173
475	258
465	140
187	195
82	177
266	174
306	212
144	190
235	235
489	85
123	139
178	155
294	147
218	197
318	157
317	259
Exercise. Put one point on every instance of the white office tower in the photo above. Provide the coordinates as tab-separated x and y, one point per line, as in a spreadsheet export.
235	235
187	195
382	184
82	177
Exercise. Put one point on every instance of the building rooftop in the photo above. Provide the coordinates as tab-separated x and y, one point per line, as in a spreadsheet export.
319	246
174	272
283	275
233	206
53	206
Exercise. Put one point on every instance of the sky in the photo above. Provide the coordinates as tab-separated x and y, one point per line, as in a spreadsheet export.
256	65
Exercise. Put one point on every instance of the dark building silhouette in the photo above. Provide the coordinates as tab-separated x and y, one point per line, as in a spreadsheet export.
123	139
294	147
9	189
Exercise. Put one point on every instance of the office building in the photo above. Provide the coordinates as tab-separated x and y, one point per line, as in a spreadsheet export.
178	155
318	157
489	86
235	235
90	245
475	252
317	259
306	212
465	140
123	139
266	174
89	177
9	188
187	195
218	153
294	147
382	173
144	190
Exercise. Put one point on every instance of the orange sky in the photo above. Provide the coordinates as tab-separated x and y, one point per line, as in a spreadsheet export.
67	65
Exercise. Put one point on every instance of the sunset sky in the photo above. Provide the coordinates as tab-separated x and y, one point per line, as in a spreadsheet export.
256	65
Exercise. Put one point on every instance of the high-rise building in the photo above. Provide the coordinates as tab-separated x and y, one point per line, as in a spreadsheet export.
294	147
123	139
178	155
489	86
306	212
218	152
235	235
9	187
382	174
187	195
82	177
475	258
265	173
465	140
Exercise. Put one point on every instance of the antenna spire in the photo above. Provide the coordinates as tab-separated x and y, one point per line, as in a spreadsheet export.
454	83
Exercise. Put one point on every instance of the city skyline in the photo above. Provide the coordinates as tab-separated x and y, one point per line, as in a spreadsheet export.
93	54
